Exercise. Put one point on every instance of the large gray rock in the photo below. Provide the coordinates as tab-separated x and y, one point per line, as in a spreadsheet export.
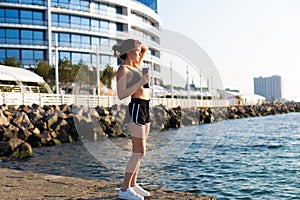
5	149
50	120
190	116
3	119
23	150
64	136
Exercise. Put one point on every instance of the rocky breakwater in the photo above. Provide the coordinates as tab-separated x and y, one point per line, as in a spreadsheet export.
24	127
209	115
177	117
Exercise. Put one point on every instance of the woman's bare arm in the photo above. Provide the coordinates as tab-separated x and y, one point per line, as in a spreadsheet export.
144	52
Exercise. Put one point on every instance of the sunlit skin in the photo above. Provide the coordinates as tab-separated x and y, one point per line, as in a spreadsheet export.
139	133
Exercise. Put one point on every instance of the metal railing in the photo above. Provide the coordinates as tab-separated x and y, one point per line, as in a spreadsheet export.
88	28
23	42
27	2
23	21
9	98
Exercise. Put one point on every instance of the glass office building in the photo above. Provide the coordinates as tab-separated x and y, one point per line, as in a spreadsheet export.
86	30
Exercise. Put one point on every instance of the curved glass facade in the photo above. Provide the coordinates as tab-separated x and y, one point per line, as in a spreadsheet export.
150	3
85	29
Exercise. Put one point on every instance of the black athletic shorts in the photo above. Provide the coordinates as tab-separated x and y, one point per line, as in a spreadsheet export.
139	110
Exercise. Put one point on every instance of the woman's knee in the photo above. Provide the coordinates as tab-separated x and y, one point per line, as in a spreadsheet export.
141	153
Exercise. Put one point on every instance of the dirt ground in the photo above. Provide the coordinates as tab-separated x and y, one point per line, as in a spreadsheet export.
28	185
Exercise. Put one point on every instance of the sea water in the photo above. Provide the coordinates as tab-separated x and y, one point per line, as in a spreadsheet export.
250	158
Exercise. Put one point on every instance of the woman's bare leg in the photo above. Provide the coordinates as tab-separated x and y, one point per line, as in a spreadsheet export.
138	139
139	145
147	126
134	178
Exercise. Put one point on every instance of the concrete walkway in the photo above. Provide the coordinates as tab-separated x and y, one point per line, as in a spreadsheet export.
28	185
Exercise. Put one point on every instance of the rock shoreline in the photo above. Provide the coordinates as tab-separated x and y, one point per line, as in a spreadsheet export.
24	127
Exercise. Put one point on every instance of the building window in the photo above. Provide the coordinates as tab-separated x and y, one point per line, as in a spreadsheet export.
12	1
2	16
75	22
31	57
33	2
80	22
104	59
12	16
26	17
101	7
26	37
95	42
30	17
95	25
81	5
76	41
104	24
119	10
38	55
2	33
64	55
64	40
64	21
38	18
85	23
64	2
2	55
13	53
27	55
119	27
85	40
22	16
84	5
12	36
54	18
38	37
104	42
76	57
32	37
86	58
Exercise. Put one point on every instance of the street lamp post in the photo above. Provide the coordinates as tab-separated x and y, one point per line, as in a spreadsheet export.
187	83
56	64
201	95
171	73
152	77
98	71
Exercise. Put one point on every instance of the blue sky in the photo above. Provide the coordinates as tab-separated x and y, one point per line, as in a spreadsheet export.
244	38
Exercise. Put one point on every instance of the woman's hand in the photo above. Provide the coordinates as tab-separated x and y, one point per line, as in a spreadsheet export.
145	78
144	49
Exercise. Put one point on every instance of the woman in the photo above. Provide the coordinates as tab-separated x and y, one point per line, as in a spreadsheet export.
130	82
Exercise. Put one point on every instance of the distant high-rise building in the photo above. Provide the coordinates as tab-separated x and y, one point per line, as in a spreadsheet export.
269	87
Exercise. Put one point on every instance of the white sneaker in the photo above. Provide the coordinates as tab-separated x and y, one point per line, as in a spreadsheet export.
129	194
139	190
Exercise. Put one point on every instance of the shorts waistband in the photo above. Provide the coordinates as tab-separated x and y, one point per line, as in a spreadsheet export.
140	101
